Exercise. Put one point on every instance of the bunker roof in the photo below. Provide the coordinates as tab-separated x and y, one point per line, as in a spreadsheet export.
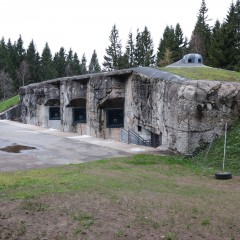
149	72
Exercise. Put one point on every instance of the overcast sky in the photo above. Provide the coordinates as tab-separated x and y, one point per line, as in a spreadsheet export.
85	25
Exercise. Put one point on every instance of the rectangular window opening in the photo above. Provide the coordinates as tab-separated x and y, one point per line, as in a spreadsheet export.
115	118
54	113
139	128
79	115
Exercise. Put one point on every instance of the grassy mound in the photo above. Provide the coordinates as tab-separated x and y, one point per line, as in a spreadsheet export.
4	105
213	158
203	73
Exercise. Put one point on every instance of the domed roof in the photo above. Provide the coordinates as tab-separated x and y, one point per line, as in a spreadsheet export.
189	60
193	58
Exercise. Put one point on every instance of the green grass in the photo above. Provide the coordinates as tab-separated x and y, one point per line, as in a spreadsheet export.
125	174
4	105
213	160
203	73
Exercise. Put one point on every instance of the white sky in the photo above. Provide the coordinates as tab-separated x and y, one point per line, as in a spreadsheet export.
85	25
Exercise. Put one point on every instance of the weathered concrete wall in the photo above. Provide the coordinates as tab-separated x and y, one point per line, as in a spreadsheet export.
104	92
186	114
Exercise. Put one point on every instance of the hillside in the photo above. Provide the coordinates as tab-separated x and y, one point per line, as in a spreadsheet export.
6	104
203	73
213	159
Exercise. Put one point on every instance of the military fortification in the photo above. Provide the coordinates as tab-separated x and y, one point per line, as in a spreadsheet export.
140	105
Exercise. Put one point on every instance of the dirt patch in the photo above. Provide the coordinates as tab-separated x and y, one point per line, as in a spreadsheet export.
117	215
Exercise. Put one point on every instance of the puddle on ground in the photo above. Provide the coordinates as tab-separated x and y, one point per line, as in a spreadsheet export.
16	148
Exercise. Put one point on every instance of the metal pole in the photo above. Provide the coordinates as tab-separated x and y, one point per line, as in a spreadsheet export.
225	144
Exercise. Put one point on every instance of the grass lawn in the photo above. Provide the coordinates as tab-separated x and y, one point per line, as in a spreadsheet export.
4	105
199	73
139	197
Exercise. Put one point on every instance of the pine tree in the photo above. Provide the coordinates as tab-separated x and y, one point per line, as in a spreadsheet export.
94	66
47	70
147	47
138	53
180	44
69	63
167	42
33	60
229	38
200	38
83	65
216	56
76	68
21	54
172	46
224	50
12	63
60	62
237	35
3	55
144	48
123	62
114	51
130	51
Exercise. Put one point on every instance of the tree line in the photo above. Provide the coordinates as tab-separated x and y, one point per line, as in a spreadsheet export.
219	45
19	66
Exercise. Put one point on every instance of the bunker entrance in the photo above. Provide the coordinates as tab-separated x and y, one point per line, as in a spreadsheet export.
156	140
16	148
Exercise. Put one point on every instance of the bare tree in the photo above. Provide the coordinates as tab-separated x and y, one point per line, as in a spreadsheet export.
23	73
167	59
68	70
196	44
6	85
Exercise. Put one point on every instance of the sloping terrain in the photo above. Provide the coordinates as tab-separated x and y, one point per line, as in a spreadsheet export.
212	156
6	104
205	73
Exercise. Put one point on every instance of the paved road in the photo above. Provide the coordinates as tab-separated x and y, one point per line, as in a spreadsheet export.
56	148
51	149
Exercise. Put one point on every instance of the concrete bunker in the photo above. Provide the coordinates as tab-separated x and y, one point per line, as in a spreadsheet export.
193	58
189	60
148	105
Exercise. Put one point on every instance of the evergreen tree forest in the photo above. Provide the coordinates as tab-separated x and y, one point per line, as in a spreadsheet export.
218	44
20	67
